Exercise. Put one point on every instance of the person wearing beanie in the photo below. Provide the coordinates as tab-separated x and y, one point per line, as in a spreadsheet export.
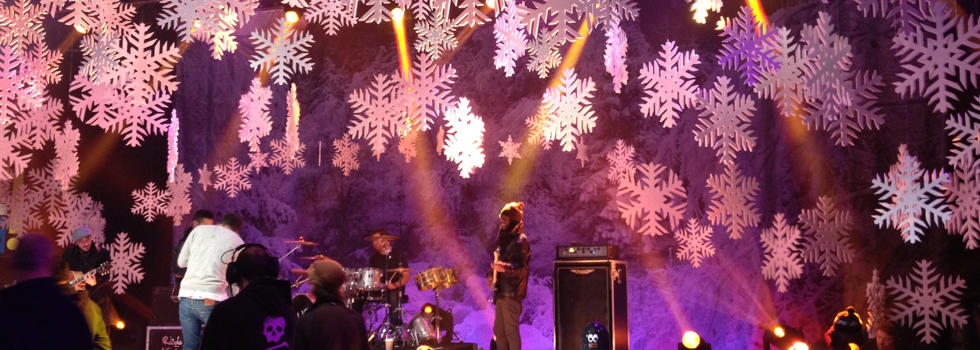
513	255
83	256
847	329
328	324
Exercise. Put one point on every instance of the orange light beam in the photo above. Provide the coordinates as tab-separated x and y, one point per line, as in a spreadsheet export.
398	22
760	15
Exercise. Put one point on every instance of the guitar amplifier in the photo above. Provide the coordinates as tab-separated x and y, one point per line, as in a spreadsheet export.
587	252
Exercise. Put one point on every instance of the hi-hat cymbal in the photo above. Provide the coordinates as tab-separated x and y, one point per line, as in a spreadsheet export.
298	271
315	257
300	242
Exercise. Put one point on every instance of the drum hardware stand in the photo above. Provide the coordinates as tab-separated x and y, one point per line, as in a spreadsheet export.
438	318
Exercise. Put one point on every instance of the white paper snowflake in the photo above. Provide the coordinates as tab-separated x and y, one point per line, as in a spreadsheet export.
232	177
724	123
734	207
963	194
511	37
905	15
964	129
179	193
376	113
126	268
440	140
204	177
436	36
700	9
149	201
407	146
377	11
543	51
345	154
254	108
784	84
941	57
77	210
16	95
621	162
510	149
148	62
173	150
472	13
331	14
570	111
21	25
281	51
905	193
826	236
464	138
830	60
66	155
845	120
428	94
875	293
562	15
695	242
42	66
102	54
116	110
285	156
615	55
656	195
745	46
927	301
668	84
782	257
100	16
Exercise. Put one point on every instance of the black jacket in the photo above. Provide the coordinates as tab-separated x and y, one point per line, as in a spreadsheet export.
512	283
35	314
329	325
259	317
83	261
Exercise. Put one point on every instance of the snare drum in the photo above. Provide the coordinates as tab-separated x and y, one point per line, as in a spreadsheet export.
364	280
430	279
449	277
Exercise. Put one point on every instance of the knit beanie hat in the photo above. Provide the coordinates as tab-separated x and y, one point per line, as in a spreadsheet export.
514	211
80	232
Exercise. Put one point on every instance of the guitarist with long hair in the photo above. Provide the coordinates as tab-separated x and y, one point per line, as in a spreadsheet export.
510	269
83	256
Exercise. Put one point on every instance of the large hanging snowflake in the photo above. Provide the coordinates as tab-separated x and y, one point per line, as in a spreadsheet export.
904	15
844	119
99	16
21	25
615	55
570	110
964	198
927	301
126	268
782	258
345	154
724	123
668	84
331	14
745	46
941	57
905	193
644	201
232	177
875	293
149	201
115	110
148	62
734	206
436	36
695	242
377	117
464	138
254	108
102	54
511	39
784	84
428	94
16	95
964	129
281	51
510	149
826	235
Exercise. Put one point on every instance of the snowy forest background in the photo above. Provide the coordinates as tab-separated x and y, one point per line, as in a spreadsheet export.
446	220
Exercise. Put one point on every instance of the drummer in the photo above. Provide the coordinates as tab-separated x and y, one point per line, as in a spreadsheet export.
394	268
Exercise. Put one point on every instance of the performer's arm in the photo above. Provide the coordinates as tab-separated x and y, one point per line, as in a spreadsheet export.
184	254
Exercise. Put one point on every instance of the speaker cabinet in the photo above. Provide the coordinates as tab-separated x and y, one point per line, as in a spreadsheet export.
587	291
165	309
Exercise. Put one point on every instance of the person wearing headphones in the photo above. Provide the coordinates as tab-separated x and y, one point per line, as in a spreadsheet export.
205	255
258	317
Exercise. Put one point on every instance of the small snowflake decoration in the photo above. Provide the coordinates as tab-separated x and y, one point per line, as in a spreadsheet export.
281	51
436	36
621	161
964	198
830	61
204	177
875	293
940	57
734	206
615	55
782	258
464	138
927	301
826	233
254	108
784	84
570	111
345	154
179	193
331	14
232	178
656	195
905	193
745	46
964	129
126	267
149	201
543	51
511	37
695	242
377	118
668	84
286	156
510	149
724	123
407	146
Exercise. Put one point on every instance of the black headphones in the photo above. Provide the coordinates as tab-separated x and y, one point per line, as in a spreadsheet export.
240	267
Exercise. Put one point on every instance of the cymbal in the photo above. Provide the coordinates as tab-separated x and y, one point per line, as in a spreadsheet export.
400	269
315	257
300	242
380	236
298	271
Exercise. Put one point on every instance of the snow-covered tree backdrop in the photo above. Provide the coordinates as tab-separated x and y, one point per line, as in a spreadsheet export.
756	166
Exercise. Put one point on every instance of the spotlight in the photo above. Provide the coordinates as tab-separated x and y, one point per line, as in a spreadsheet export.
292	17
799	346
120	325
782	337
853	346
397	14
492	3
692	341
423	347
80	28
779	332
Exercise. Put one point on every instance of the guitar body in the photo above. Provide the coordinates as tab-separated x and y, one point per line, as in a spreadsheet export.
88	278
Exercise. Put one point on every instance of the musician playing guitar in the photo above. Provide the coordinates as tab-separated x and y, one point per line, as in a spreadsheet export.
510	269
82	256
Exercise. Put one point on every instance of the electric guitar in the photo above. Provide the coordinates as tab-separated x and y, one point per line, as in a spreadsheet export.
102	269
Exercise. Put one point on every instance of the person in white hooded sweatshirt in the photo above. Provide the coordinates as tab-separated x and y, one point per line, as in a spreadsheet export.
205	255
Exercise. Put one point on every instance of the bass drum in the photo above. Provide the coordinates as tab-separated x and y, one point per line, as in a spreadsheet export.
422	331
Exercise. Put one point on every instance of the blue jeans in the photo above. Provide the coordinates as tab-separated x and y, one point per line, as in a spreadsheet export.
193	316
